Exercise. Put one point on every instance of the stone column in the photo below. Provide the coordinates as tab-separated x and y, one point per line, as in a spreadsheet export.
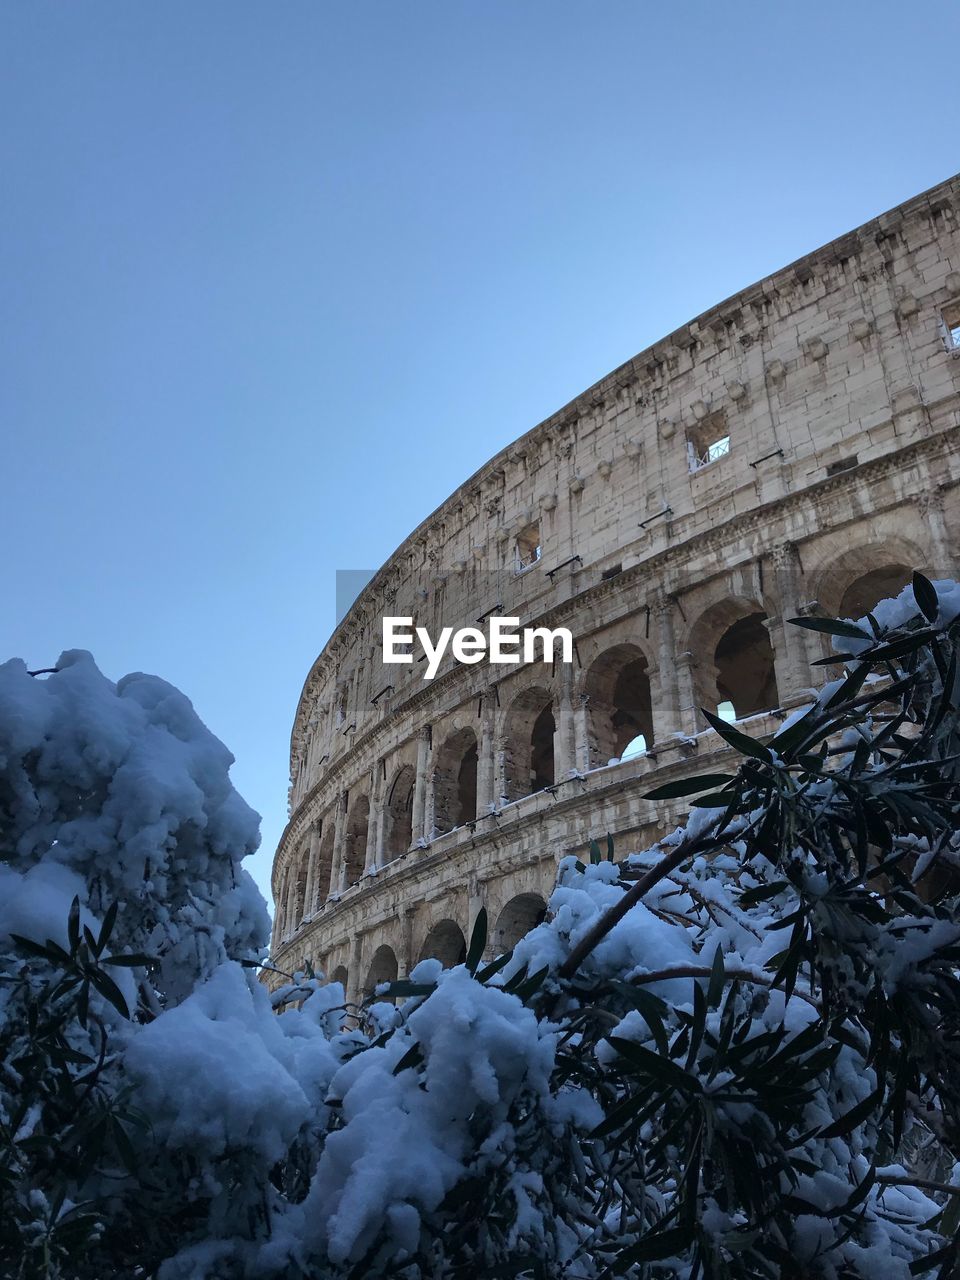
309	905
380	833
486	765
407	958
564	752
338	874
789	645
354	976
941	558
430	800
420	788
665	691
687	696
581	732
289	920
374	819
500	749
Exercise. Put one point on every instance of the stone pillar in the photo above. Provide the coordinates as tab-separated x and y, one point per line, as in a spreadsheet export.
407	958
420	788
789	645
500	749
354	976
486	764
665	690
380	826
942	559
688	698
564	751
581	732
289	919
374	819
338	874
309	905
430	801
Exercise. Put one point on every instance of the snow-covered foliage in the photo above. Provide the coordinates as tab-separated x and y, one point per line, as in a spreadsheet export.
732	1055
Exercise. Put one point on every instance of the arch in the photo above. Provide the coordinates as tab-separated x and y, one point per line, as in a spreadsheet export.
744	661
734	658
619	706
445	942
383	968
528	759
398	812
884	556
355	846
455	781
340	975
864	593
518	917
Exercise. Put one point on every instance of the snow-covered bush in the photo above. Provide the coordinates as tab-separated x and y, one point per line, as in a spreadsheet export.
732	1055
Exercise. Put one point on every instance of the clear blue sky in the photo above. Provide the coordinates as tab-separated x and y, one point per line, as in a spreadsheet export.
276	278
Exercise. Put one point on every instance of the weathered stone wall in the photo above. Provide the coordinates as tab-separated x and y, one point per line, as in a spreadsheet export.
672	556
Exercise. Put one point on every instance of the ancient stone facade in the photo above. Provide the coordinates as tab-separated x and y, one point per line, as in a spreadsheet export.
793	450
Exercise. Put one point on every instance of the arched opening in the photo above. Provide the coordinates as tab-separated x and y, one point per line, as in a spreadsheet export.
383	968
528	744
445	942
355	852
323	885
340	975
398	836
455	781
865	592
619	706
746	677
518	917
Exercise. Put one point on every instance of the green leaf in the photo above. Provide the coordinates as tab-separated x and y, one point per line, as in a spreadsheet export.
658	1244
762	892
688	786
926	597
734	738
651	1008
110	991
412	1058
718	976
532	984
137	961
652	1064
106	929
35	948
832	627
404	987
73	925
856	1115
718	800
478	940
488	970
610	857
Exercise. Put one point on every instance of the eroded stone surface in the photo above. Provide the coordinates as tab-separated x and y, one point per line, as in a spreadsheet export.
793	450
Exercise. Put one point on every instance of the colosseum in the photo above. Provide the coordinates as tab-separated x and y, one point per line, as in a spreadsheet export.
792	451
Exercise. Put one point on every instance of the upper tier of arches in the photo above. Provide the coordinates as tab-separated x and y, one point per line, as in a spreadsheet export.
795	384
